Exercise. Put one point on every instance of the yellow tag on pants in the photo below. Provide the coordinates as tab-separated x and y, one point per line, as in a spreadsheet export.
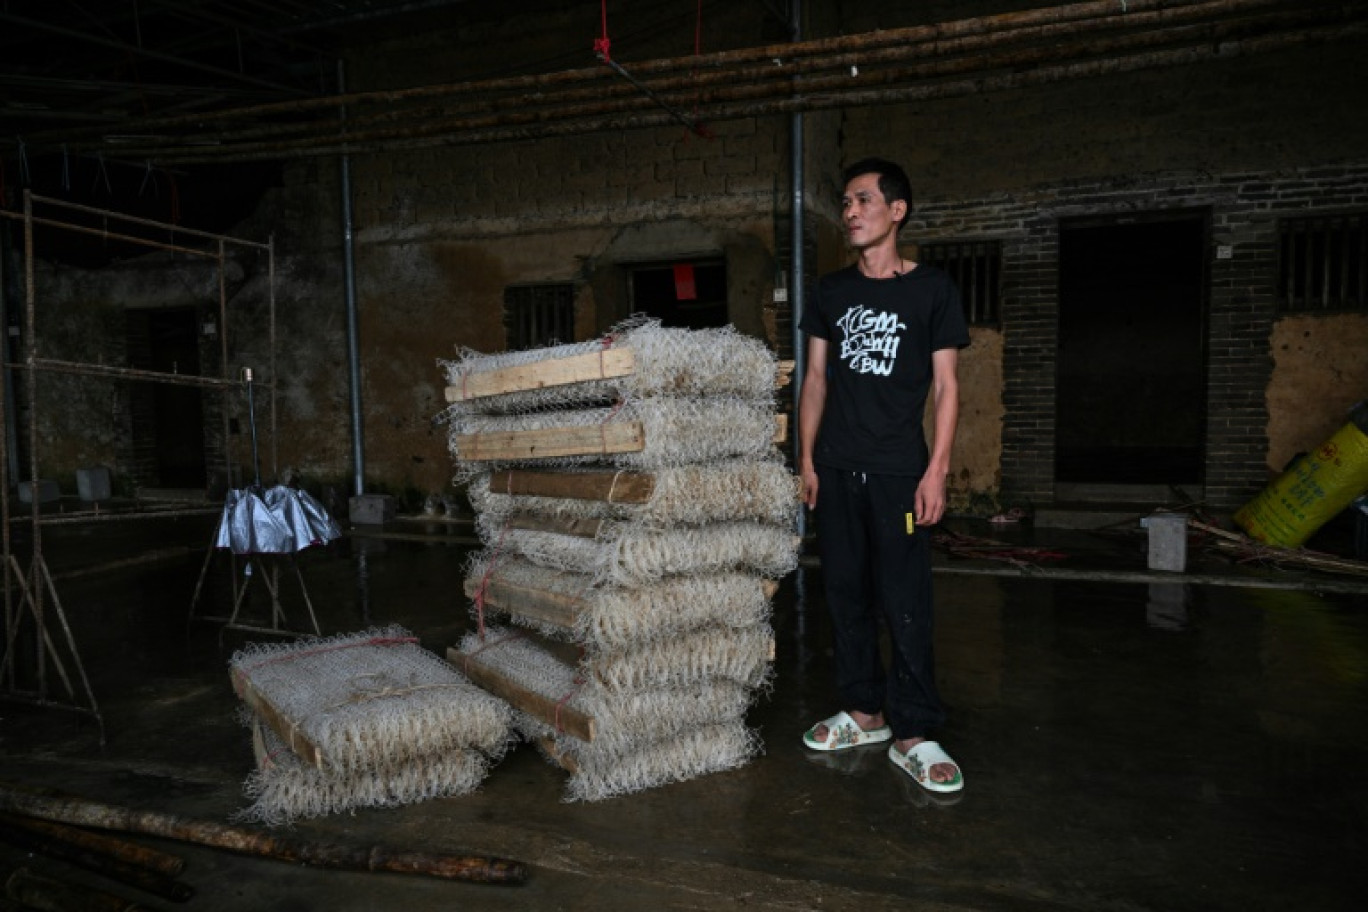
911	524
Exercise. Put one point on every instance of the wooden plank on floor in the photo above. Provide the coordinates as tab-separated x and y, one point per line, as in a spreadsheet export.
518	378
609	486
553	711
548	443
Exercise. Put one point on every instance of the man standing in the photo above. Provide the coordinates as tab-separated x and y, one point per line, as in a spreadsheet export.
882	334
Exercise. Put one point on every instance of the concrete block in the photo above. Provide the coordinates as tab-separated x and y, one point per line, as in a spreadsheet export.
47	491
1167	541
371	509
94	483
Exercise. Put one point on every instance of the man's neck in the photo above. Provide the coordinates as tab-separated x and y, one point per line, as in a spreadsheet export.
882	262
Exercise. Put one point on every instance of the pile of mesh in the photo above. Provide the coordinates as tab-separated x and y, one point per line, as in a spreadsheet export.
615	619
675	432
762	490
662	715
702	363
625	554
667	599
390	723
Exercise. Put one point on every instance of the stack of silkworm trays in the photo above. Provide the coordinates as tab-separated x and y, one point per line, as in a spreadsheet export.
368	719
635	514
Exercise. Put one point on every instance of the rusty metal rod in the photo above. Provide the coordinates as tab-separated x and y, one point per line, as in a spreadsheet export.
107	235
149	223
81	368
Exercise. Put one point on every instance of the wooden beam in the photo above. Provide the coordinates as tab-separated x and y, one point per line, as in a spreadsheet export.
546	443
552	608
303	747
603	365
780	429
580	528
562	759
783	376
612	487
554	711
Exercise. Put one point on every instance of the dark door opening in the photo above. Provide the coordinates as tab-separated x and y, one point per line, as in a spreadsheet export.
168	419
1131	382
688	295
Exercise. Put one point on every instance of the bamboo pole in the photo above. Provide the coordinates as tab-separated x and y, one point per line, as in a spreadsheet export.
71	809
129	852
36	893
34	839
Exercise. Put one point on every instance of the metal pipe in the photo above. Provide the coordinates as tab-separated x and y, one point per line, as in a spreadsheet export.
353	334
797	169
135	220
78	368
30	355
275	384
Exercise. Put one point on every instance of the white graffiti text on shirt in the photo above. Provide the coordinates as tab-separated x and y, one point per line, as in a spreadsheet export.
871	340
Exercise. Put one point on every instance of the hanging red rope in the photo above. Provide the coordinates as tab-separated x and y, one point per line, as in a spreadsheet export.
601	45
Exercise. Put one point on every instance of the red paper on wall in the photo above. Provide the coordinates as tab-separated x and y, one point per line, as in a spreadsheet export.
685	289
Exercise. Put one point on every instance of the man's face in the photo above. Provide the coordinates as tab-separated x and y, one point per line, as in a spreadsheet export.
869	218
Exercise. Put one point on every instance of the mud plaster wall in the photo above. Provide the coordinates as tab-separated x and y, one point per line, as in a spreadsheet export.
1320	370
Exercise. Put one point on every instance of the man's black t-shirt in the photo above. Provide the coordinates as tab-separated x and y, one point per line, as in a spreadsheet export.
881	333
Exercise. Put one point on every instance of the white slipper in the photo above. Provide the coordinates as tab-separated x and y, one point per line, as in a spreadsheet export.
843	733
917	763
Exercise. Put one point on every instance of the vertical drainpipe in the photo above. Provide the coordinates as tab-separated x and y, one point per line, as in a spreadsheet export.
796	290
349	283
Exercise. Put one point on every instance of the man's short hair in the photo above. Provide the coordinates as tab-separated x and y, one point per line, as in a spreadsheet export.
893	182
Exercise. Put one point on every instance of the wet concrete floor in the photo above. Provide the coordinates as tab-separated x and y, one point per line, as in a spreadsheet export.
1129	743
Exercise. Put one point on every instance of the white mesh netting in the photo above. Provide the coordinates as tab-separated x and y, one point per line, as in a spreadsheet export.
709	748
373	699
676	432
630	556
283	788
739	655
672	362
618	619
626	722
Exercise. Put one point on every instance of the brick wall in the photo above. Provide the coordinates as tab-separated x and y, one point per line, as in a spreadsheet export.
1244	209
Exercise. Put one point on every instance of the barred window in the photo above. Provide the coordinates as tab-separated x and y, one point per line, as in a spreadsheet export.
1321	263
539	315
976	267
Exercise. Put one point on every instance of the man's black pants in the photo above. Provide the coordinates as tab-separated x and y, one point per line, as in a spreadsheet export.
872	566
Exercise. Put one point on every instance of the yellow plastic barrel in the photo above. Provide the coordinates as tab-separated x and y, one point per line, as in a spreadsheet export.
1313	489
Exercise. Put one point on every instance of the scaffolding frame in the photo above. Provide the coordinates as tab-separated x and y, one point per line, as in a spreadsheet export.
28	591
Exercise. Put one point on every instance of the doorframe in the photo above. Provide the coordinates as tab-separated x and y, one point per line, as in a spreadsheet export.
1141	493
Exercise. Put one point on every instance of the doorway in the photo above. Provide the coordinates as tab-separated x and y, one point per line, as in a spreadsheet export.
168	419
690	294
1131	368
